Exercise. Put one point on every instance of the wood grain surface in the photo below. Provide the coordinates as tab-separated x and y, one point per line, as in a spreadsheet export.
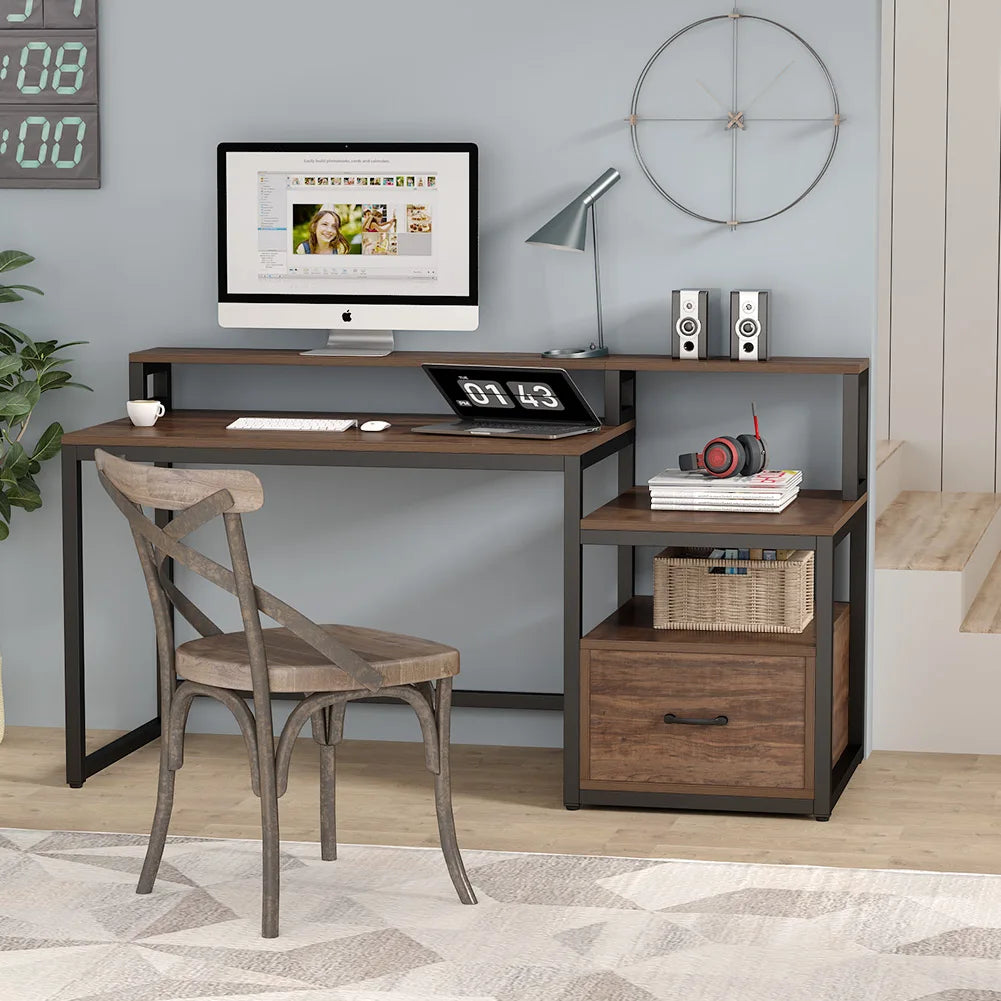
814	512
413	359
927	530
207	429
176	489
900	810
630	627
763	746
984	615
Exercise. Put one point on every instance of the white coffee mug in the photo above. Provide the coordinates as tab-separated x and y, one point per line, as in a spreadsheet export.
143	413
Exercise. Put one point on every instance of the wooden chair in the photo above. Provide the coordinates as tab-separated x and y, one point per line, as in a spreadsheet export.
331	665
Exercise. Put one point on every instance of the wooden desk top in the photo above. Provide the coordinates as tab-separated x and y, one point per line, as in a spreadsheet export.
412	359
207	429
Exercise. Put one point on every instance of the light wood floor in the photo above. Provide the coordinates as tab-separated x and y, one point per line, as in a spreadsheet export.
910	811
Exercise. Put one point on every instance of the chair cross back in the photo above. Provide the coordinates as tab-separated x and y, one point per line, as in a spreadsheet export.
199	496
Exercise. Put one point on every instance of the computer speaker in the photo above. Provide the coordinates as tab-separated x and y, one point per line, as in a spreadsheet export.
749	333
690	323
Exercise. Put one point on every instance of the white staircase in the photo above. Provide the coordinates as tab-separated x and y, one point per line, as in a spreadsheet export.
937	620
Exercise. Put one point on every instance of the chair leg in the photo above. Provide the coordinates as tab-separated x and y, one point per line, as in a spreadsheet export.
328	808
171	750
269	843
443	796
161	821
328	731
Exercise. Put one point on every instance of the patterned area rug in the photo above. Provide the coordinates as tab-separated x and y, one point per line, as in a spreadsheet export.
383	924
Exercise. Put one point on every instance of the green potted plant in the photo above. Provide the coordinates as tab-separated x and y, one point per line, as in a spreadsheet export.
28	370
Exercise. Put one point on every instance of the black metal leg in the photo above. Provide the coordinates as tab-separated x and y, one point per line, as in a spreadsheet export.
626	554
823	674
162	520
76	734
572	615
854	435
857	595
620	397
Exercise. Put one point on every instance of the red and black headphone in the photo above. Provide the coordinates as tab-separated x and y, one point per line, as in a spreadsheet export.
744	455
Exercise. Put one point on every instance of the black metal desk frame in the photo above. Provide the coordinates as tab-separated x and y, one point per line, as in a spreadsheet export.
154	380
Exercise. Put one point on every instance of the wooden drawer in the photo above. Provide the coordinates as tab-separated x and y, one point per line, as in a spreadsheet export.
762	749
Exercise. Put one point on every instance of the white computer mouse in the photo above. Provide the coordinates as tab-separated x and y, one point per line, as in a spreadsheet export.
375	425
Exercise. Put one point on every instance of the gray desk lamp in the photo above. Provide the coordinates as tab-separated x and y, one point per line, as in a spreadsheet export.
568	231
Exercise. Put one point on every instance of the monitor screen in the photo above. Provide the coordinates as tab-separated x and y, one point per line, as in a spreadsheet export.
342	224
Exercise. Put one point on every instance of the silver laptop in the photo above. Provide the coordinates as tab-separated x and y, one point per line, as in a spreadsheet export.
510	402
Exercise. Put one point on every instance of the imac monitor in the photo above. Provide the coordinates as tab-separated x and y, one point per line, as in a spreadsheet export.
359	239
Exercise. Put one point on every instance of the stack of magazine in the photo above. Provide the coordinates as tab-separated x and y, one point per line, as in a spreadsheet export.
770	490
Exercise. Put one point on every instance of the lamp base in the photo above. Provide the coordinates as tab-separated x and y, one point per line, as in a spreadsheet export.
592	351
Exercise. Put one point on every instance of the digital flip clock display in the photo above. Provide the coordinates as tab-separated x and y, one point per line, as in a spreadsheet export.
49	119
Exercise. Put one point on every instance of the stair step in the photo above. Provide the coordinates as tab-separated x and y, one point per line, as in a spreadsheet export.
923	530
885	449
984	615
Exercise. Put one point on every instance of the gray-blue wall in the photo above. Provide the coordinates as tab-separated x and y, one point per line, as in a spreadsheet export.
543	88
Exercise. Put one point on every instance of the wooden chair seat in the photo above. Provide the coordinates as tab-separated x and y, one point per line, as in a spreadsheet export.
223	661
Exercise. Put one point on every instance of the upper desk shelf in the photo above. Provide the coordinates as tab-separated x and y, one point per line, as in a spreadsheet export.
413	359
618	371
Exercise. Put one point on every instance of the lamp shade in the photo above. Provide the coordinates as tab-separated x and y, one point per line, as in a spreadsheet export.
567	230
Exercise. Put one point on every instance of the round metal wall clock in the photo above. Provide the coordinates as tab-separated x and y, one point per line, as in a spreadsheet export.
735	108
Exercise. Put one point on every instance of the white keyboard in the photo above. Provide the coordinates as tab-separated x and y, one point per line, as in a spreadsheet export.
290	424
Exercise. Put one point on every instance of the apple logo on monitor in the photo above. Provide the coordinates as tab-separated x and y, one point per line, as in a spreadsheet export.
346	316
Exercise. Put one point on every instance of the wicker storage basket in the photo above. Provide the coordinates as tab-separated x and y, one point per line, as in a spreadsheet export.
774	596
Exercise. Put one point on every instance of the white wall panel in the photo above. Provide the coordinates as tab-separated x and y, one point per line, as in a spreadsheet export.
971	247
917	284
881	388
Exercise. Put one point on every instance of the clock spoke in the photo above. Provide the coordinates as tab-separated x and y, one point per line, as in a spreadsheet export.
636	119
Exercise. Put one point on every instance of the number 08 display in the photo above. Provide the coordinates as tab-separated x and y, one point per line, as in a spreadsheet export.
49	135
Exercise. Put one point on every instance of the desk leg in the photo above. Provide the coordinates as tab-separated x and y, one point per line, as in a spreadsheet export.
626	554
76	739
572	615
823	676
857	596
163	519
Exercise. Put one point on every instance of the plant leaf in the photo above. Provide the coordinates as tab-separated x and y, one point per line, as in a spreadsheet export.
10	259
26	288
9	364
49	380
15	465
17	336
4	506
4	531
25	495
13	404
9	295
34	468
49	443
30	390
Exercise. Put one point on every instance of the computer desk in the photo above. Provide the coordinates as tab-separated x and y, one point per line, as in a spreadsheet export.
200	436
817	520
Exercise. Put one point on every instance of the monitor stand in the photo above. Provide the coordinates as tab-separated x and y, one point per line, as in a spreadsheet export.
356	343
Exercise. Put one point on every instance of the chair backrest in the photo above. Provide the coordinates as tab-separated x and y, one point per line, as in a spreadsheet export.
197	497
177	489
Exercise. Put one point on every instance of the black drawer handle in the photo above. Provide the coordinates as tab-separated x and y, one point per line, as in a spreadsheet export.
715	721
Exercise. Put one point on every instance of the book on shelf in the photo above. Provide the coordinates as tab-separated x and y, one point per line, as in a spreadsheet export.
769	482
734	506
658	493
